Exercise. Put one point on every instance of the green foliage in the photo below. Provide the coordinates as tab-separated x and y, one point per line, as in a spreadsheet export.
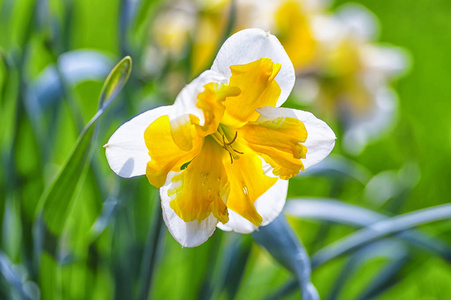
55	202
373	225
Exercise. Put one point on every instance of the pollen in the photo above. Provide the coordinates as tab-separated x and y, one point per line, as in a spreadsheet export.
245	191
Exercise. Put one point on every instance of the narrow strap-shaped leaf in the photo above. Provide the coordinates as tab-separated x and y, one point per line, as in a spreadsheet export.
381	229
392	249
26	289
281	242
336	211
55	201
385	279
396	225
332	211
236	258
152	253
336	166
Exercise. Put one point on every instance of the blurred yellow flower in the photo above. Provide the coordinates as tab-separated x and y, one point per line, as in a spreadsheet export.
289	20
223	152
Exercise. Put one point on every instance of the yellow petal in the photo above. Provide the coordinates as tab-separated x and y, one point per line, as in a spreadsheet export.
295	33
278	141
183	132
187	128
202	187
247	183
164	154
258	89
211	102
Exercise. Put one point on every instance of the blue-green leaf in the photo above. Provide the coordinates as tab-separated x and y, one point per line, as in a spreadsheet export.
336	211
337	166
25	289
394	250
281	242
236	256
381	229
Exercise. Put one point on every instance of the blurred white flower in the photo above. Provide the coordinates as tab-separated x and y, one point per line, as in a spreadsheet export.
340	68
353	75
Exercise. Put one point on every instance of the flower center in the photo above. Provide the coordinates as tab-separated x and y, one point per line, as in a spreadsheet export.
220	137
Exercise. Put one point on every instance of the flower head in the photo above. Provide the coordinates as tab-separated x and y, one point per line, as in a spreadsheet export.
223	152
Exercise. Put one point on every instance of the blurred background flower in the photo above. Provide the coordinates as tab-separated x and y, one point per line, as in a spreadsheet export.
343	71
376	70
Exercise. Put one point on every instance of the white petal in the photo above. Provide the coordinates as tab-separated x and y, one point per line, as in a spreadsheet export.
250	45
126	149
237	223
388	61
186	100
359	21
188	234
328	31
320	138
271	203
269	206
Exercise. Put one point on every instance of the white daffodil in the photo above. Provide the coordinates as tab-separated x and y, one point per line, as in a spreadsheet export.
352	80
223	152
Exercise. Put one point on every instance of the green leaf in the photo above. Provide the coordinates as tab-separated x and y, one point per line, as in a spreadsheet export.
16	278
379	230
56	200
394	250
337	211
236	257
385	279
152	251
377	226
338	167
281	242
